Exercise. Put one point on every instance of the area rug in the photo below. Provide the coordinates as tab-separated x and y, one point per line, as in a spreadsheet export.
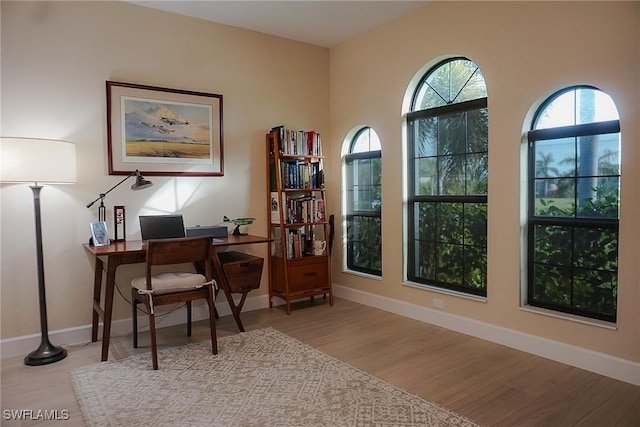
259	378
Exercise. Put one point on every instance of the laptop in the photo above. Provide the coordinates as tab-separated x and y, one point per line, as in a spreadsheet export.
161	227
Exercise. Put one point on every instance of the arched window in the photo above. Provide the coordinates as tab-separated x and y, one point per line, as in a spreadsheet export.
447	179
363	169
573	204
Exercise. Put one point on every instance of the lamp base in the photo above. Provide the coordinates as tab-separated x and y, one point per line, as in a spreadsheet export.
45	354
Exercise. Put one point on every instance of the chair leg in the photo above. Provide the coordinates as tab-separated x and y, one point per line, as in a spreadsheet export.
188	318
214	309
134	304
212	321
152	334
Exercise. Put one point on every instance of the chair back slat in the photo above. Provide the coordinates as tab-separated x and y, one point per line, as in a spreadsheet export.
179	250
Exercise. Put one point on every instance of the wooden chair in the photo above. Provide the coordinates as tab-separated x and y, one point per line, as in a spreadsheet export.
174	287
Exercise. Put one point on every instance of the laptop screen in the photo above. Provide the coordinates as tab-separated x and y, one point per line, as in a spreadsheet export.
161	227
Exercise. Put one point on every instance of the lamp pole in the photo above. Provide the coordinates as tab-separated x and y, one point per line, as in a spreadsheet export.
46	353
38	161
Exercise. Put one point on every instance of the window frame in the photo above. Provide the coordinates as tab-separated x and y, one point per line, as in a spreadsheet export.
571	223
413	199
351	213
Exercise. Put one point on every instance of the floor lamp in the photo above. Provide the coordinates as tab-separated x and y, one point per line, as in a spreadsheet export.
39	161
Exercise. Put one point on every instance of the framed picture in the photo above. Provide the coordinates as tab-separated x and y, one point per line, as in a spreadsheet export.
99	234
120	223
161	131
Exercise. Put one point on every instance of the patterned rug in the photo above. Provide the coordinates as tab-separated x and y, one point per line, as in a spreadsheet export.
259	378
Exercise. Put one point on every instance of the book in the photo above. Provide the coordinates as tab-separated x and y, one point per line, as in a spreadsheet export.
275	207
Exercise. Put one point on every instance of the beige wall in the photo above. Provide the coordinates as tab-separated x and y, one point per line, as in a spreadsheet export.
56	57
526	50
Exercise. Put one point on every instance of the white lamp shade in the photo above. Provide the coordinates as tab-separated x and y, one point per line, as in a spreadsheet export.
44	161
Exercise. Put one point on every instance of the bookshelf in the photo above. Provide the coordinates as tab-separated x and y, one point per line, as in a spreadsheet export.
299	256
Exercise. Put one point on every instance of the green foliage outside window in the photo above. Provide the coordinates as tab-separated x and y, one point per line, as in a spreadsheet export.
452	244
575	268
364	250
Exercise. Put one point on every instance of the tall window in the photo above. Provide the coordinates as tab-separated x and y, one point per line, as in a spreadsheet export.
364	203
447	179
574	200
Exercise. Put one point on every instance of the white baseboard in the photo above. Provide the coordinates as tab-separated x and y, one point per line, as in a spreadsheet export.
25	344
600	363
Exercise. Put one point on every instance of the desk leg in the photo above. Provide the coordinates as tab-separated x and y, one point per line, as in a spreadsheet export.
234	309
97	289
225	288
108	306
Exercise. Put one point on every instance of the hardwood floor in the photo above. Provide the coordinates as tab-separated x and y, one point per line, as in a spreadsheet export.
488	383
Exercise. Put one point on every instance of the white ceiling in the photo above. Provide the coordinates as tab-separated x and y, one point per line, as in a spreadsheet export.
320	22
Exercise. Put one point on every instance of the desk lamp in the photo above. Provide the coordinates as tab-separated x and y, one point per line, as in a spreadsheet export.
40	161
140	184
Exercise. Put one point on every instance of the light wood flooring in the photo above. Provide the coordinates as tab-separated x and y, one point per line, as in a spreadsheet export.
491	384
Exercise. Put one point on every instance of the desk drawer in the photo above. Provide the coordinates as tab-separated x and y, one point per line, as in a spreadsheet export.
308	273
242	271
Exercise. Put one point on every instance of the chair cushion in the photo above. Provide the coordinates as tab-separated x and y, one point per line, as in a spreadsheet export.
170	282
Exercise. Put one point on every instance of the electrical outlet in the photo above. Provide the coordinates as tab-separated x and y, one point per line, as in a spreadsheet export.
438	303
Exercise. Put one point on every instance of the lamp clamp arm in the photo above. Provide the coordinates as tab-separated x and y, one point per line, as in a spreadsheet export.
102	195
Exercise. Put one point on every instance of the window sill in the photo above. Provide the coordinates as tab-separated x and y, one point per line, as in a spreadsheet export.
361	274
444	291
570	317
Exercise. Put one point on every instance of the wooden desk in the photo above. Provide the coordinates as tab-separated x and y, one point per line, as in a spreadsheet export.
133	252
